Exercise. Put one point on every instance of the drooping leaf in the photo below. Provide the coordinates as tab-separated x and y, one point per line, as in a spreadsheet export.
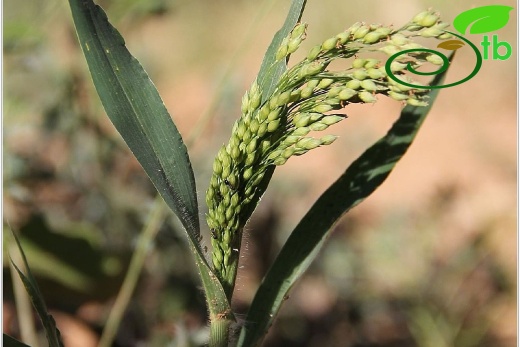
31	286
138	113
451	45
360	179
482	19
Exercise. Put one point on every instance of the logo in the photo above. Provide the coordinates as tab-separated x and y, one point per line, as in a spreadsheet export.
479	20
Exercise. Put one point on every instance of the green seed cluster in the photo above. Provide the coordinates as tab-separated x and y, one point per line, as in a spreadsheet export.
308	94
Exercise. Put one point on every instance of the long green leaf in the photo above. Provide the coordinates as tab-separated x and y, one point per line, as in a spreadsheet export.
360	179
270	71
138	113
30	284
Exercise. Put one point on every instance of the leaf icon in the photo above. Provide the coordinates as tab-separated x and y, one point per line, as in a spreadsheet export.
484	19
451	45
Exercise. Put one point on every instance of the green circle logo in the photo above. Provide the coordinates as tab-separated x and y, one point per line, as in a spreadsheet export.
451	45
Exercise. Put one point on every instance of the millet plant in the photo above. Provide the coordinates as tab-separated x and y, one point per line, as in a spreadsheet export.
280	116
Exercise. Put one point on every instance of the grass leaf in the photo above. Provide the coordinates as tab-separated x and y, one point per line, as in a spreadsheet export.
29	282
270	71
138	113
360	179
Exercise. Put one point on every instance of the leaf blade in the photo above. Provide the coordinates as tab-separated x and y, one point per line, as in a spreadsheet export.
135	108
31	286
270	70
137	111
360	179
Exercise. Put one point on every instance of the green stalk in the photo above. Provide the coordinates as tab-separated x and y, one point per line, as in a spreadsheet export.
219	332
23	302
146	237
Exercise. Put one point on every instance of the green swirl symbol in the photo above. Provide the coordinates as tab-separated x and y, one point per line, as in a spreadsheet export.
445	64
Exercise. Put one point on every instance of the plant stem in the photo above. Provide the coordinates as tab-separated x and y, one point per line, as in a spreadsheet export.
23	302
146	237
219	332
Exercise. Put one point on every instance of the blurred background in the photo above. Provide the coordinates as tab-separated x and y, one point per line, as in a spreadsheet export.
429	260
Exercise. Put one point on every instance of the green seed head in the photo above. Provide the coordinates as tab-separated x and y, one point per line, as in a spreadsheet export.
325	83
358	63
435	59
328	139
262	129
302	121
343	37
217	167
415	102
346	93
301	131
308	143
283	98
329	44
375	74
384	31
291	140
431	32
334	91
264	111
353	84
367	97
247	174
306	92
322	108
279	161
332	119
318	126
282	50
275	154
420	17
354	27
360	74
245	102
254	125
371	63
288	152
372	37
396	66
390	49
273	125
274	114
398	96
251	146
368	85
299	30
428	20
313	53
311	69
361	32
399	39
250	159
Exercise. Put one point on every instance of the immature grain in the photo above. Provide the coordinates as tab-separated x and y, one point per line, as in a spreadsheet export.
307	98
